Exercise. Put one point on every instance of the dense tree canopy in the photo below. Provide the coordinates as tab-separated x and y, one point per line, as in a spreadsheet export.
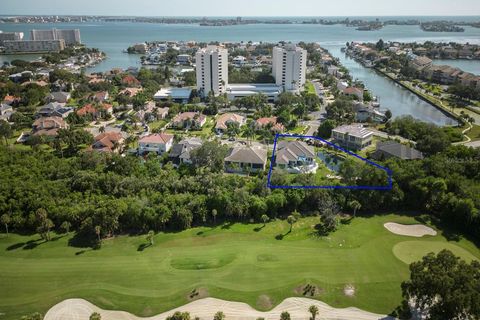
444	287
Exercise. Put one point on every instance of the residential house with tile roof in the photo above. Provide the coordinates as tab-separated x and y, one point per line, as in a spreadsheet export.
158	143
180	152
108	142
393	149
226	118
246	159
187	120
295	156
130	81
269	122
354	137
48	126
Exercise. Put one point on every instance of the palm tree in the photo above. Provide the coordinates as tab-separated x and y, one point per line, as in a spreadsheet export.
264	218
150	235
95	316
98	231
48	225
355	205
134	119
249	133
101	129
285	316
65	226
291	220
296	215
5	220
214	215
219	316
313	309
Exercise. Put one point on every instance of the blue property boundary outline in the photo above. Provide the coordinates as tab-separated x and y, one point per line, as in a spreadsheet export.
387	170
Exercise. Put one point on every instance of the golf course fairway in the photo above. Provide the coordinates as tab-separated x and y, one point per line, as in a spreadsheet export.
251	263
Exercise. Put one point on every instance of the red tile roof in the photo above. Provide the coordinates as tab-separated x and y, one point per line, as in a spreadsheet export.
157	138
87	109
189	115
91	109
130	80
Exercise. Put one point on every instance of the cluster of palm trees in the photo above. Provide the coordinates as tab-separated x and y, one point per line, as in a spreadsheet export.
313	309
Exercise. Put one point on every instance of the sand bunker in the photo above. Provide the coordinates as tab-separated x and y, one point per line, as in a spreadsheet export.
79	309
416	230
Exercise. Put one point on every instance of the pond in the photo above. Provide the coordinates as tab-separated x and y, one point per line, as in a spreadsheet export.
331	161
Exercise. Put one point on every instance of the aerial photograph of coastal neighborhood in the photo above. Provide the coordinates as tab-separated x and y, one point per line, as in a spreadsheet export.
239	160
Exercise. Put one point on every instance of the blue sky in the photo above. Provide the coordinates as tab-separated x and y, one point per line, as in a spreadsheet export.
243	7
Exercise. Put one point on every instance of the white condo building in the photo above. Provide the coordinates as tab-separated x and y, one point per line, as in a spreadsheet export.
69	36
5	36
289	64
212	70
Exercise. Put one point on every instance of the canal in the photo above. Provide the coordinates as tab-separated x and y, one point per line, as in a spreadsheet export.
392	96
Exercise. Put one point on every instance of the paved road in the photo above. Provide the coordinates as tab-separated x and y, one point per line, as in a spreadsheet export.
473	144
312	127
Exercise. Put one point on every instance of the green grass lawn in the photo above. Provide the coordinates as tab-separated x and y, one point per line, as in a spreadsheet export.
474	133
238	262
206	131
297	130
310	88
157	124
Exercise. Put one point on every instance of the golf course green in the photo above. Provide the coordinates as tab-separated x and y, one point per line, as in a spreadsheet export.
252	263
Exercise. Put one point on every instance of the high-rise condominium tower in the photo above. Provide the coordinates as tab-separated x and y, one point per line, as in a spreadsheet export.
289	64
212	70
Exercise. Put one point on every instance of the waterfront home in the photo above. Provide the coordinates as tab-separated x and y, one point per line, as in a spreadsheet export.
442	74
187	120
393	149
333	70
48	126
140	48
420	63
470	80
421	51
246	159
354	137
295	157
60	97
108	142
355	92
180	152
226	118
365	113
158	143
270	122
342	85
